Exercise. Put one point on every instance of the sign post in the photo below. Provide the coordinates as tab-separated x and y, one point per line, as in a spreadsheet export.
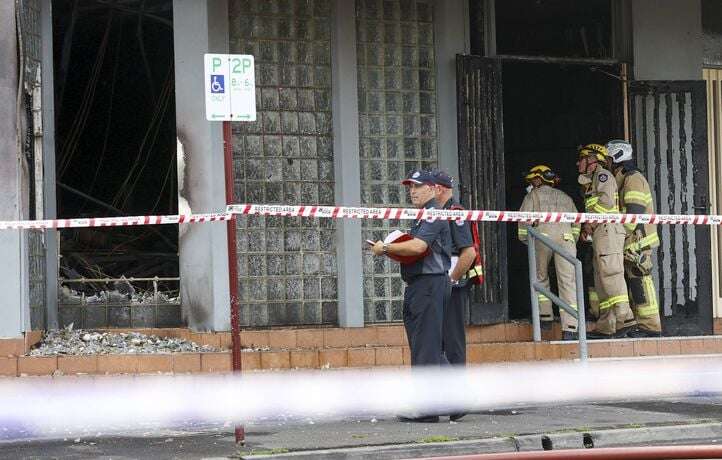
230	94
230	87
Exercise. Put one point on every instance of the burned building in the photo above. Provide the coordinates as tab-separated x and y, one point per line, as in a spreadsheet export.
351	95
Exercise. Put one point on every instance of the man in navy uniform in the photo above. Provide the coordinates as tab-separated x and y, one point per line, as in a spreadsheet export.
426	278
463	255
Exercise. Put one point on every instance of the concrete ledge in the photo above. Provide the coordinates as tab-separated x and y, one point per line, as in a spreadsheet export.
348	357
436	449
533	442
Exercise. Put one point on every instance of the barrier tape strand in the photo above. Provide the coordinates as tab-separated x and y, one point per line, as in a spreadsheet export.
346	212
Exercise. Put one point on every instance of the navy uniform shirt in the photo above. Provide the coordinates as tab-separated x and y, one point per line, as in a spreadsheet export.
436	234
460	231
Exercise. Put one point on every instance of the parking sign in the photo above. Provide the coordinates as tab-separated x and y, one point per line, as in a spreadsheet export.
230	87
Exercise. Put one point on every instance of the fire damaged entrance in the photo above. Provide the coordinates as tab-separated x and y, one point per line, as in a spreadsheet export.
559	74
568	104
516	113
116	156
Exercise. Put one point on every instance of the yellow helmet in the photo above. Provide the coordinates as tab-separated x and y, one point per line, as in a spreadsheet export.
599	151
543	172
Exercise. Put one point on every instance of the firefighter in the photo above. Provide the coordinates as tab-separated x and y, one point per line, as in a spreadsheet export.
635	197
601	197
544	196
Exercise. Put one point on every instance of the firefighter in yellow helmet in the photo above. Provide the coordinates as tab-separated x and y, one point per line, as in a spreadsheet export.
636	198
543	196
601	197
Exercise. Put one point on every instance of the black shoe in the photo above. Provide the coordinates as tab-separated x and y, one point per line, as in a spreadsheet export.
639	333
623	332
420	419
594	335
569	335
456	417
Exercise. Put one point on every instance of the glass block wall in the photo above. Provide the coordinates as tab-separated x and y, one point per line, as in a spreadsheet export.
397	126
286	266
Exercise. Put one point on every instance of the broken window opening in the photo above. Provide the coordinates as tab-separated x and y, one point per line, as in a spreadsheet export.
116	156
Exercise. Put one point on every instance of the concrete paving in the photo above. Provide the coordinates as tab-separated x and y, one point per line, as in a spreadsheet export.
692	420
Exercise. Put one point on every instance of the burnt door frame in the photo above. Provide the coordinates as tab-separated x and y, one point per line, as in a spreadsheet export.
481	177
656	108
480	144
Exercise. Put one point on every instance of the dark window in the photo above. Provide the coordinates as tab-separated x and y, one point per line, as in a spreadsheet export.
557	28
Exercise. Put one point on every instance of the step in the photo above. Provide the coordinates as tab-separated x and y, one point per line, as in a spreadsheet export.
303	338
347	357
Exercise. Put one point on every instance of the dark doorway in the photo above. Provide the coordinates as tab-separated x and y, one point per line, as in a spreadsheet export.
115	149
559	28
550	109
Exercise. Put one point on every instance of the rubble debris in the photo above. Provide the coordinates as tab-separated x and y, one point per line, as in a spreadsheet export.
124	287
69	341
129	296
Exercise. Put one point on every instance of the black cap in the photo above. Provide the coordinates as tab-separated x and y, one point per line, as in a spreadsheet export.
418	177
443	179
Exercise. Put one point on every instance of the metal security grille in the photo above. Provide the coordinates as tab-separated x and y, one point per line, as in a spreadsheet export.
30	45
481	163
669	129
397	132
286	266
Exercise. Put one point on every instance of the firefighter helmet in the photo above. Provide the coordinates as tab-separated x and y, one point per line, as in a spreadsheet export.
543	172
619	150
598	151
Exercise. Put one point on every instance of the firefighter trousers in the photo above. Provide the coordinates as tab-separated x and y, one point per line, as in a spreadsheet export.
643	299
566	281
609	283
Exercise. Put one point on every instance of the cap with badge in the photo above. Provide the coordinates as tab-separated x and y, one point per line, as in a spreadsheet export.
443	179
418	177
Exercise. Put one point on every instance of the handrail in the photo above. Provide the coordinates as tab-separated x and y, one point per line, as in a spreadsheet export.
535	286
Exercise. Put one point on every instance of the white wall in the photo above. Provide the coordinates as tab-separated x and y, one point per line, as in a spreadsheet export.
13	284
667	37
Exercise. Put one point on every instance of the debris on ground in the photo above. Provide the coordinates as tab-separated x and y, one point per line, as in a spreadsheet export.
69	341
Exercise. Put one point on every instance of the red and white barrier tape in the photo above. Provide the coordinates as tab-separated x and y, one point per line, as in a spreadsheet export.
113	221
343	212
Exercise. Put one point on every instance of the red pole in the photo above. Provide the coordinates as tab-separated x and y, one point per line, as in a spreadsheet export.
232	264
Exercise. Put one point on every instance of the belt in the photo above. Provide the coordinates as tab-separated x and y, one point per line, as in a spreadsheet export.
415	278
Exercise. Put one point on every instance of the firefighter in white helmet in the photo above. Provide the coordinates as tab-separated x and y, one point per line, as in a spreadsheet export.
601	197
636	198
544	196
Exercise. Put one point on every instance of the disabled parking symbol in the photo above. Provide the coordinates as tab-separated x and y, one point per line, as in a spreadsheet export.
217	84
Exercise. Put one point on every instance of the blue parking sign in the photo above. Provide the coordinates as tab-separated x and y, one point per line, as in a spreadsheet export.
217	84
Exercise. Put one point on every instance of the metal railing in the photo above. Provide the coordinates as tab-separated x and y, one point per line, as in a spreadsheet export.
154	293
536	287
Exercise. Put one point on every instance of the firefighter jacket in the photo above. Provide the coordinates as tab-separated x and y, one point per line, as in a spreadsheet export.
549	199
636	198
601	195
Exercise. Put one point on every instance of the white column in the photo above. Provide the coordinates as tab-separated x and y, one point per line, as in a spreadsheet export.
346	164
13	283
201	26
451	37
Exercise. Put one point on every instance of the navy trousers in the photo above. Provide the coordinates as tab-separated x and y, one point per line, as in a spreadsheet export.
454	329
423	317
